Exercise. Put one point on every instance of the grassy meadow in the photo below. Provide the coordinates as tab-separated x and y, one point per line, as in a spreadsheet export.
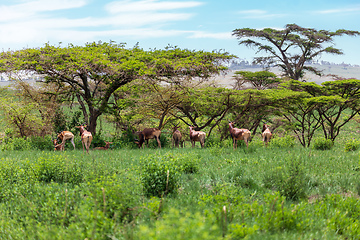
283	191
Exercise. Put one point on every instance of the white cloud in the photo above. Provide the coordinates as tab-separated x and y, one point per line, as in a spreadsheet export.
259	14
30	9
148	5
221	35
31	23
350	9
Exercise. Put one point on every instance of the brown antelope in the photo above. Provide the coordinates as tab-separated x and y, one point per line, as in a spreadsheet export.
197	136
66	135
239	134
176	137
107	145
86	137
146	134
266	134
57	147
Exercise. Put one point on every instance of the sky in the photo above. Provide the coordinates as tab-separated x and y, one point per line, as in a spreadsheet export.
192	24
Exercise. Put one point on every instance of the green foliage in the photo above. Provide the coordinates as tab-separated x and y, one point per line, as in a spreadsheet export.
58	168
271	216
280	142
181	225
345	220
160	174
116	196
259	80
41	143
290	180
323	144
17	143
352	145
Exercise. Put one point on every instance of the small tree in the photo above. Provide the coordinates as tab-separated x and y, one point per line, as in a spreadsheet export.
290	48
260	80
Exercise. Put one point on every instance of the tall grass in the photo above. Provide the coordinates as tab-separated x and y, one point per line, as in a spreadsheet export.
229	193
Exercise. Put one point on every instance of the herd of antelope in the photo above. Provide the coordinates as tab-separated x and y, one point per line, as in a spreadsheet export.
154	133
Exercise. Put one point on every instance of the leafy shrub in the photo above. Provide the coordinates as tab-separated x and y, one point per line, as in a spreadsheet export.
290	181
271	216
160	175
214	141
187	163
16	144
176	226
352	145
14	176
41	143
323	144
117	196
286	141
345	220
57	168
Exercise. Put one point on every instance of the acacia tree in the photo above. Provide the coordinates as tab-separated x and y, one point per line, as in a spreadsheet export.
333	104
259	80
291	47
92	73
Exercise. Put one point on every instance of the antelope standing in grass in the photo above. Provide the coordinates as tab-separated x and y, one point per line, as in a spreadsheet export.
176	137
266	134
146	134
107	145
239	134
86	137
197	136
65	135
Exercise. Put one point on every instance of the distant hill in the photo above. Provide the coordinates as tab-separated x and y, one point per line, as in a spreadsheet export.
341	70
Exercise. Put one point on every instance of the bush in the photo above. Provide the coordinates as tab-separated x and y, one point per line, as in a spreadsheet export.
289	181
160	175
117	196
16	144
176	226
352	145
41	143
286	141
323	144
57	168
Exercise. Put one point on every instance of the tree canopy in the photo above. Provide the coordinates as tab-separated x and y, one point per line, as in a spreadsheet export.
92	73
290	48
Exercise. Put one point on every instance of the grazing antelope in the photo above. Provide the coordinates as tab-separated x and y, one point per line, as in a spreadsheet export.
57	147
107	145
239	134
146	134
86	137
66	135
197	136
176	137
266	134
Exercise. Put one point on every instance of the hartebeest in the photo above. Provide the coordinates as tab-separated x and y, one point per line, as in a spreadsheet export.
266	134
197	136
239	134
57	146
66	135
107	145
176	137
146	134
86	137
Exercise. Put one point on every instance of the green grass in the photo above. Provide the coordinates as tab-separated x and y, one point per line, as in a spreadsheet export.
108	201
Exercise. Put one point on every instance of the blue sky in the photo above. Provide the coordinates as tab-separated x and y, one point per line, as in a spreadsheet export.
193	24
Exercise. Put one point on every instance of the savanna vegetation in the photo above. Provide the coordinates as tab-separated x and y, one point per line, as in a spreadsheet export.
303	185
